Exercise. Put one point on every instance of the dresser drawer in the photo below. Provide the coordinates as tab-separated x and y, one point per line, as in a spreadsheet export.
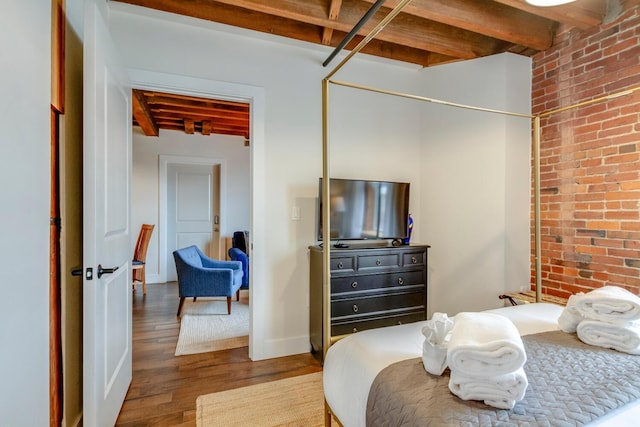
345	264
376	303
378	261
417	259
376	281
349	327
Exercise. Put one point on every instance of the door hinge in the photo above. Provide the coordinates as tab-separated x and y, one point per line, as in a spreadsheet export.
55	221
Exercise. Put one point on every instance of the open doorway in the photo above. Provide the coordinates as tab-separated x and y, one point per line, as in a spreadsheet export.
231	175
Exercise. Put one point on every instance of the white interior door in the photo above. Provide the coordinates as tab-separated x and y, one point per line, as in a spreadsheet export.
191	219
107	174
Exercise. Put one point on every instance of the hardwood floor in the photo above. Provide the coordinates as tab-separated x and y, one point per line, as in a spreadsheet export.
165	387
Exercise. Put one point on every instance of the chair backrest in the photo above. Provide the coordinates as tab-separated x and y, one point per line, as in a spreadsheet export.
191	256
241	240
140	251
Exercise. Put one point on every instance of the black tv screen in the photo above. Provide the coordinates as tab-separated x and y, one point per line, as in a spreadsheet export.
362	209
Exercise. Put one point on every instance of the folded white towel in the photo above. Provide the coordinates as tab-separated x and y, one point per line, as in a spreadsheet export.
571	316
484	345
434	350
621	336
610	304
500	391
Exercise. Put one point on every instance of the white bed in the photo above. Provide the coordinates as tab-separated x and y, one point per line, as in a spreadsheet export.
352	364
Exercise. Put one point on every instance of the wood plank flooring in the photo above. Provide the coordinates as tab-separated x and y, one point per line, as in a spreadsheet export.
164	388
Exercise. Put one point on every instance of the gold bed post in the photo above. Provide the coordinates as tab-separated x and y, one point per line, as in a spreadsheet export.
536	205
326	234
326	226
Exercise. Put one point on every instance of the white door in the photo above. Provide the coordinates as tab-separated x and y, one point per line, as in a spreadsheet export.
191	219
106	228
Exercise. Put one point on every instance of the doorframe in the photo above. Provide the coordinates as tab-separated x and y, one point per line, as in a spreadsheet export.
255	96
165	161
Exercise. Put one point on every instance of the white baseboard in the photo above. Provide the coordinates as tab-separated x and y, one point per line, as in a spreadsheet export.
271	349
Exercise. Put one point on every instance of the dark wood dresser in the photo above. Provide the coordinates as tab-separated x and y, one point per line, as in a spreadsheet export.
371	287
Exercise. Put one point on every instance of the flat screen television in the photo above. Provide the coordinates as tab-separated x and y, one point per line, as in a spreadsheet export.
362	209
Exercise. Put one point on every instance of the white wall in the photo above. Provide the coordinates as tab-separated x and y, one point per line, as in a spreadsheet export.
456	160
146	185
476	172
24	246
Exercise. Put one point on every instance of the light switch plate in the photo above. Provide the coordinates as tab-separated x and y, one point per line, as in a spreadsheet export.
295	213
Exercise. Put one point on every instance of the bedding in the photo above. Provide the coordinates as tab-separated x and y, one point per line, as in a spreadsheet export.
352	364
596	381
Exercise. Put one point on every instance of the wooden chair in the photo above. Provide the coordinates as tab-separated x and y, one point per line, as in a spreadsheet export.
140	257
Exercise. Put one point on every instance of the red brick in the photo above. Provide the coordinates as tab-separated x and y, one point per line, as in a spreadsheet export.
591	156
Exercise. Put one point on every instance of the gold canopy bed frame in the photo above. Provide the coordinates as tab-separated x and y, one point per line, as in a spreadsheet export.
327	339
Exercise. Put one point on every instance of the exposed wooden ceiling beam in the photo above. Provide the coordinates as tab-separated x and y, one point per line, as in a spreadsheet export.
179	115
582	14
142	114
200	112
180	128
485	17
334	13
189	126
156	97
206	127
161	101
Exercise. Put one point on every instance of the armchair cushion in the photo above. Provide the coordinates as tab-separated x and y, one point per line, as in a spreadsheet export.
237	255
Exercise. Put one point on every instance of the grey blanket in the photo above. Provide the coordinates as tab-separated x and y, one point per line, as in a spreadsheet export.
570	384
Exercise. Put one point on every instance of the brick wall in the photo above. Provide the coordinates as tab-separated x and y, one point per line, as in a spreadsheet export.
590	158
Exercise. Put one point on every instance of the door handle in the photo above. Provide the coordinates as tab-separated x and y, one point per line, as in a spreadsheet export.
102	271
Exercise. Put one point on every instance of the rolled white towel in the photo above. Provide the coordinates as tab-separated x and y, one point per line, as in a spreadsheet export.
610	304
571	316
620	336
484	345
434	358
434	350
501	391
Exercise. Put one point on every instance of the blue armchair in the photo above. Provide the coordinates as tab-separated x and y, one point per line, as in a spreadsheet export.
201	276
237	255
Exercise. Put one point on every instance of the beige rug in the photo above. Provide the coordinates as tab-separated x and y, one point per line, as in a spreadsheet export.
205	325
296	401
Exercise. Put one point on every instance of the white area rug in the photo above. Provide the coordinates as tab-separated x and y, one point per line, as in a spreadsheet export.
205	325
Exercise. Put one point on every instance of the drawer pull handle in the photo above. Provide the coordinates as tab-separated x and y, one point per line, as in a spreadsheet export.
378	262
400	281
355	330
399	322
340	265
355	308
414	260
354	285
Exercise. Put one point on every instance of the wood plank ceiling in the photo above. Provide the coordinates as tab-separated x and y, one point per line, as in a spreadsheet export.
426	33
